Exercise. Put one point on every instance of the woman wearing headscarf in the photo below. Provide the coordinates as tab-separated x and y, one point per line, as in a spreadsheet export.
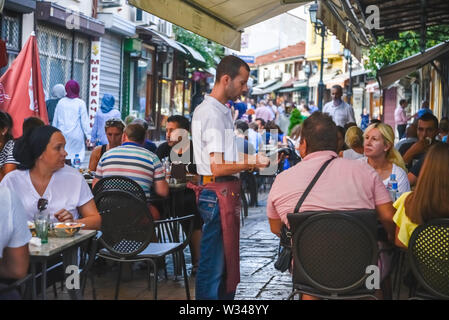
105	113
42	174
72	119
58	92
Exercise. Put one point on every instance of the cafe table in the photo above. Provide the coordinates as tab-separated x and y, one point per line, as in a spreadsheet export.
68	248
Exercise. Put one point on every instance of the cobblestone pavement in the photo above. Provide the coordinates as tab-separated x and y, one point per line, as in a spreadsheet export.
258	251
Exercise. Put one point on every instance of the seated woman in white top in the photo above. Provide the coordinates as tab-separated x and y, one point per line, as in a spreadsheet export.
354	141
383	157
14	238
43	174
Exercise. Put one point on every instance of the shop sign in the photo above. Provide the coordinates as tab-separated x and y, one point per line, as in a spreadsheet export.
94	90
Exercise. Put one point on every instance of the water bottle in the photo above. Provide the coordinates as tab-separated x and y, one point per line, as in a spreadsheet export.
167	168
77	162
392	187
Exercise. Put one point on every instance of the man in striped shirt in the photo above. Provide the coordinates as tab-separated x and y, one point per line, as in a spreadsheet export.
133	161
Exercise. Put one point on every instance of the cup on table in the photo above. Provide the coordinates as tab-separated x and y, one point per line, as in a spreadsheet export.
42	224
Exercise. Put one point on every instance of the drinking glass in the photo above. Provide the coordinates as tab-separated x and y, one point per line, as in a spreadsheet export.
42	224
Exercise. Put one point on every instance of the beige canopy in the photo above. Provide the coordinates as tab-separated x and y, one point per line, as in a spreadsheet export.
221	21
389	74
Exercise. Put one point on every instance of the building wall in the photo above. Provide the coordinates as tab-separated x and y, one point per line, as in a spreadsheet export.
83	6
129	13
332	46
277	70
276	33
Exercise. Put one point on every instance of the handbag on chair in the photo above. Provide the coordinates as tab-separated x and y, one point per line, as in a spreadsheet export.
284	260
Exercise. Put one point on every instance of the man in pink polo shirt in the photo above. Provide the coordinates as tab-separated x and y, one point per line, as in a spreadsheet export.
344	185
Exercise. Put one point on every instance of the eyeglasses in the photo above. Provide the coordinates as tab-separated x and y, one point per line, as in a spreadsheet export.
42	204
115	122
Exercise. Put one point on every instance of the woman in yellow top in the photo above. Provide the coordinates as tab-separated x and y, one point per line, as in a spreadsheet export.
429	200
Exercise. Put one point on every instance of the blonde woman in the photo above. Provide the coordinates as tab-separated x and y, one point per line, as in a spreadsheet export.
383	157
354	141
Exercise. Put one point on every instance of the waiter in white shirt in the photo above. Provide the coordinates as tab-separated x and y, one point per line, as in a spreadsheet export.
341	112
219	200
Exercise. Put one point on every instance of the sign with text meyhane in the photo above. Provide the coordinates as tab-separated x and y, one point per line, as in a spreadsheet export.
94	88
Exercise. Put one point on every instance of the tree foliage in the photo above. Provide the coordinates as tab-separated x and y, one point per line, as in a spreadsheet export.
211	51
295	118
408	43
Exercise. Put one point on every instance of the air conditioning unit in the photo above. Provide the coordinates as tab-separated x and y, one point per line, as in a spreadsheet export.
110	3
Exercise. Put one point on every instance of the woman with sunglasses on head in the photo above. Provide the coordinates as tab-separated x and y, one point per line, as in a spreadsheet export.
114	132
42	179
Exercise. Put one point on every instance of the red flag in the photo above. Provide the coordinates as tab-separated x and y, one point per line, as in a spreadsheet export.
21	90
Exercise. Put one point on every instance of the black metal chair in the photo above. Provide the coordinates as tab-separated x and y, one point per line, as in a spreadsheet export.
129	233
331	253
119	183
428	256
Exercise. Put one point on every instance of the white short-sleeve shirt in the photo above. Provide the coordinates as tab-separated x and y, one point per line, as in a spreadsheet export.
212	131
67	189
14	232
401	177
341	114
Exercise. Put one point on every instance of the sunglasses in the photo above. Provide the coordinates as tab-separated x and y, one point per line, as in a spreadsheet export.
114	123
42	204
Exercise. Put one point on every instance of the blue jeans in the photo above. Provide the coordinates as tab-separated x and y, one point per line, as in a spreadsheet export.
210	278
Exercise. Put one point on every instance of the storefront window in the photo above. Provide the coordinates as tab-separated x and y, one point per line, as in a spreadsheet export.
10	33
140	88
179	89
57	66
165	104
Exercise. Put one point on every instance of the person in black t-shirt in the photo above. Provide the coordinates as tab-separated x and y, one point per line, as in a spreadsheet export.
179	149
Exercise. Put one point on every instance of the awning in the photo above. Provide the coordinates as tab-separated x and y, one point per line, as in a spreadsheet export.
332	78
269	89
389	74
300	84
266	84
354	22
23	6
332	13
219	21
195	54
337	80
160	39
286	90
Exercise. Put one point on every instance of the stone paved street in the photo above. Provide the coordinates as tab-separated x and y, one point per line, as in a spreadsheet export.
258	249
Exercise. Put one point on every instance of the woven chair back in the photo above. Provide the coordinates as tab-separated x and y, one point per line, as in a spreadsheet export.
429	256
332	250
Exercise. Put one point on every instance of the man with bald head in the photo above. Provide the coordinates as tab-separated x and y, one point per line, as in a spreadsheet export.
341	112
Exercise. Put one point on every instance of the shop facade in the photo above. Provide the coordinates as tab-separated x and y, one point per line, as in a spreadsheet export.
65	52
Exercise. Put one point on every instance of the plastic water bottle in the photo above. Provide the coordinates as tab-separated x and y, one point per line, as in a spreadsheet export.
167	168
392	187
77	162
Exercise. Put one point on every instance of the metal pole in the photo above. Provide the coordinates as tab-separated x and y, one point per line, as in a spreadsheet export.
321	84
350	81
